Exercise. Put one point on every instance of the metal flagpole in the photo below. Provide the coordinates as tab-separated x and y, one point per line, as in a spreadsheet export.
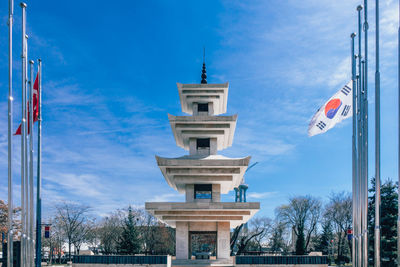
354	153
365	136
39	174
377	258
30	150
10	256
31	203
362	169
398	163
23	139
26	161
359	145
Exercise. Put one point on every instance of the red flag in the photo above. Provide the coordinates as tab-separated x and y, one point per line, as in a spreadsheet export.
35	105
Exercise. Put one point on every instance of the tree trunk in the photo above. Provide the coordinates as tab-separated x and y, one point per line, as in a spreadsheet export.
309	237
235	236
51	255
69	250
340	241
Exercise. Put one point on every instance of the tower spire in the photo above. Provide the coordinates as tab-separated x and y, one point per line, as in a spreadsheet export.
204	72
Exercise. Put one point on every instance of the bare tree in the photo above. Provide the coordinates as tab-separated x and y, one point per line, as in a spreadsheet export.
256	225
156	237
93	236
165	237
82	234
302	215
55	241
258	230
278	240
109	231
339	212
245	240
72	217
147	223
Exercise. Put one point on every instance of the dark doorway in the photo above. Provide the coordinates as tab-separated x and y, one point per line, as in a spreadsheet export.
202	243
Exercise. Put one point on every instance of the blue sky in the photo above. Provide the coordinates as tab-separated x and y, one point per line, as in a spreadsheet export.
110	73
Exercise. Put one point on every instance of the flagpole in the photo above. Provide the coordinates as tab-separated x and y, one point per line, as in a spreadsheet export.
30	166
398	163
359	146
10	256
23	139
377	259
39	174
26	161
365	136
354	153
31	199
362	180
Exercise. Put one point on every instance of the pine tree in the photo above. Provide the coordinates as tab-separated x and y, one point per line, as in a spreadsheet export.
324	240
129	241
388	222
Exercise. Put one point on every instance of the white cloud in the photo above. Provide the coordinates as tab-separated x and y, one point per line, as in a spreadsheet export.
261	195
165	198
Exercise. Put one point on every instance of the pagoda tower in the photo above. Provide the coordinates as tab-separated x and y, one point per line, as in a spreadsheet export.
203	222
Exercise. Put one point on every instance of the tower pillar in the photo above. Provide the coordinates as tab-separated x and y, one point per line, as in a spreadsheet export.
223	240
182	240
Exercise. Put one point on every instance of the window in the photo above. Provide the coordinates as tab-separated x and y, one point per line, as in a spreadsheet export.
202	107
202	191
203	143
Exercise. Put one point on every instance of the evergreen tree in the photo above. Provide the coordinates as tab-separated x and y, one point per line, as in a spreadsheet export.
388	222
300	242
129	242
324	240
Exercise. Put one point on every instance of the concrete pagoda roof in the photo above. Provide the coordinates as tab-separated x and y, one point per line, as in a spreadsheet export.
220	127
195	169
234	212
203	93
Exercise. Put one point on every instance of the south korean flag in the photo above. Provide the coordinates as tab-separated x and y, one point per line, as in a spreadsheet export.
336	109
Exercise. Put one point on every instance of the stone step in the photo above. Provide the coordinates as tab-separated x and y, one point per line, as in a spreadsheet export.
201	263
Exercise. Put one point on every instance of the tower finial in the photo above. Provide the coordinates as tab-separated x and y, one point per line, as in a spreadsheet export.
204	72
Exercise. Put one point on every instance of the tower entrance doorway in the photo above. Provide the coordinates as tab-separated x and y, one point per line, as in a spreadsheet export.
203	245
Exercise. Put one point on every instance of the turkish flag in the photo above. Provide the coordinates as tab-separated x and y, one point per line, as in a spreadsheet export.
35	105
